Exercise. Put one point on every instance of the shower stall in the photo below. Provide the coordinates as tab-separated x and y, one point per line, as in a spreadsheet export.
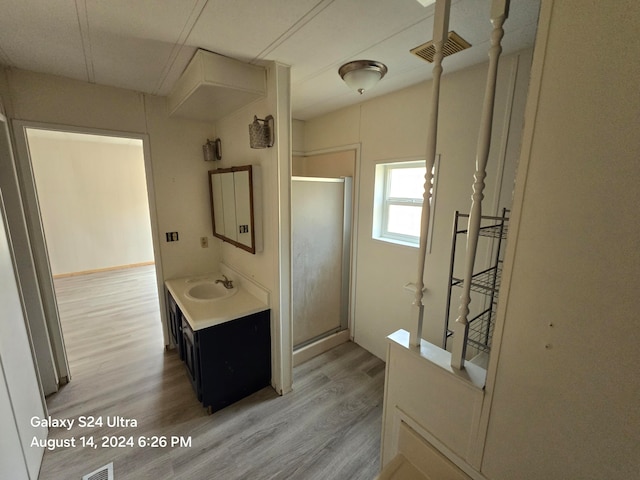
321	245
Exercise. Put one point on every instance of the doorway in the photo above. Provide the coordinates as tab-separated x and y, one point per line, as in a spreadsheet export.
93	201
94	210
87	196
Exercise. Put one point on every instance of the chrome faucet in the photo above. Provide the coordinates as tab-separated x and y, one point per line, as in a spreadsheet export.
228	284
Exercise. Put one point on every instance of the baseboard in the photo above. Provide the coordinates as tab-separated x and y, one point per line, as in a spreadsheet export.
316	348
106	269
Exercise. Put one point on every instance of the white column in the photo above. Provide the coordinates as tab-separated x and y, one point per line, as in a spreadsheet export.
499	12
440	31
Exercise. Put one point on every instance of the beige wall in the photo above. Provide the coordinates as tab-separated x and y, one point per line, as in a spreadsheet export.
93	200
392	127
178	171
566	390
297	164
181	190
334	164
236	151
297	136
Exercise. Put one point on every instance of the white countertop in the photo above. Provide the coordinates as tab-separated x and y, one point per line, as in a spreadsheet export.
202	314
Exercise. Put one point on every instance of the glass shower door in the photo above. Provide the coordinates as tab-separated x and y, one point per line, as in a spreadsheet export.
321	232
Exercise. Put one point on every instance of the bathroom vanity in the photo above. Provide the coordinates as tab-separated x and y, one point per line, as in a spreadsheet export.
223	337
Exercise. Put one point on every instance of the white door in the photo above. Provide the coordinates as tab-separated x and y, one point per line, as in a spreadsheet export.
20	397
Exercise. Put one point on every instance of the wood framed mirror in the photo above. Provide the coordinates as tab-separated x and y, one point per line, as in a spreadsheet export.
232	211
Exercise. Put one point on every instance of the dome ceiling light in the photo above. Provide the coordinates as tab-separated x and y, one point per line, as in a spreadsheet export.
361	75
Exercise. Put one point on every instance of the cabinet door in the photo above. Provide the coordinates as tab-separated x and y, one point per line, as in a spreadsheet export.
173	319
175	324
191	357
235	359
179	342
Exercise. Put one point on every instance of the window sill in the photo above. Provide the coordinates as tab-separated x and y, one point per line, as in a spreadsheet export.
395	241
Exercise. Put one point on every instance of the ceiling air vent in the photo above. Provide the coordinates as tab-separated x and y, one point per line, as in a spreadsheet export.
454	44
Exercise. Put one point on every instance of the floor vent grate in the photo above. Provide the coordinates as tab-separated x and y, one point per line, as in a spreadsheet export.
103	473
454	44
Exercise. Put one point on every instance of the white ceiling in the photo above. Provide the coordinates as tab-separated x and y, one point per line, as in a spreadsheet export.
145	45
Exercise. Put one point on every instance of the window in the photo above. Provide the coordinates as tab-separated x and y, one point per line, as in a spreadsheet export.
399	188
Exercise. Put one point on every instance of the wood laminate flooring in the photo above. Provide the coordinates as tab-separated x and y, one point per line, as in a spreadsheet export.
327	428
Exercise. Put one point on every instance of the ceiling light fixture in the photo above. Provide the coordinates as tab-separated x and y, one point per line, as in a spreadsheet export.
361	75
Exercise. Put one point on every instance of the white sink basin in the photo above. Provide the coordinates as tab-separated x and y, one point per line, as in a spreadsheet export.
209	291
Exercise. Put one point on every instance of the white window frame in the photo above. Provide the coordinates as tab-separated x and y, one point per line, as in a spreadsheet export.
382	202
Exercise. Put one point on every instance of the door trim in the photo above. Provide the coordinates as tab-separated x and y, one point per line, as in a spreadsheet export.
38	244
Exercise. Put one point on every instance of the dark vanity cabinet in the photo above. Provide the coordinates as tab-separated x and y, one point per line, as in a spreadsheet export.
232	360
225	362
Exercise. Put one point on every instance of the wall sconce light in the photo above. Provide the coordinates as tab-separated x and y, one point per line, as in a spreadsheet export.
212	150
361	75
261	132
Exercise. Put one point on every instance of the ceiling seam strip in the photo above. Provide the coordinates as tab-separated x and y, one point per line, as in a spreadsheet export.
85	38
301	22
180	42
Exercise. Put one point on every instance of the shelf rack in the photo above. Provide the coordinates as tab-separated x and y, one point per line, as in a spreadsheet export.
485	282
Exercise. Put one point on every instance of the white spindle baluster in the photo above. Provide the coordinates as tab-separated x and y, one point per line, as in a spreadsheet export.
499	11
440	27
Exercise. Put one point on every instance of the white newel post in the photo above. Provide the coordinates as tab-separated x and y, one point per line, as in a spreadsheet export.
440	31
499	12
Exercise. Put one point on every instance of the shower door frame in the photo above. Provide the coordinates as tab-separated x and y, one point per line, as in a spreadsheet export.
305	353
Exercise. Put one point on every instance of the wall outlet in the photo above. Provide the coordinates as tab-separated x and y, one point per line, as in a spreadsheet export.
204	242
172	236
243	228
